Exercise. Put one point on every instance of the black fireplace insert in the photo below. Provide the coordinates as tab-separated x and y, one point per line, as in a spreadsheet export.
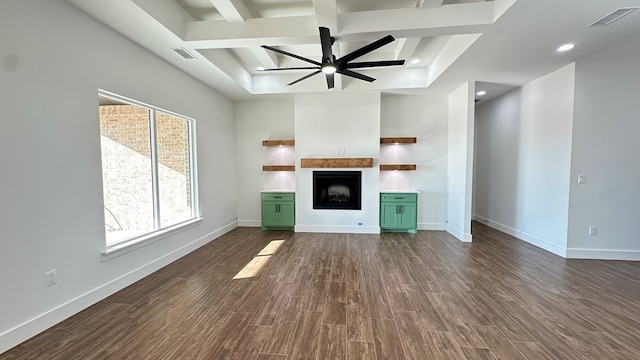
337	190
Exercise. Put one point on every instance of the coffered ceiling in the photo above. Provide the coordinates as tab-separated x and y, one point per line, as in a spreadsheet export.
444	42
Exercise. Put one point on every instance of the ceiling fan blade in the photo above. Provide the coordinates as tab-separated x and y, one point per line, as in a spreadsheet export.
293	68
365	64
330	82
290	54
364	50
326	41
305	77
356	75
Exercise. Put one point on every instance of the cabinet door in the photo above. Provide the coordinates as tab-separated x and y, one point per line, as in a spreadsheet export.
287	214
407	216
269	214
388	215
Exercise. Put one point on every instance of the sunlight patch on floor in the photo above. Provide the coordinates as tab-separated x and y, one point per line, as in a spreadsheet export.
257	263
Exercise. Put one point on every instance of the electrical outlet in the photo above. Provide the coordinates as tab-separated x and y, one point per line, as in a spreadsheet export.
593	230
50	278
582	178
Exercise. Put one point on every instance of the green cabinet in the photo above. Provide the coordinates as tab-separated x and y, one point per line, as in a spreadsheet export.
278	210
398	212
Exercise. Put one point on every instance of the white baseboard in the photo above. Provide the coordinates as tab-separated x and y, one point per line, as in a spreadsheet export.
459	234
40	323
603	254
338	229
249	223
531	239
432	226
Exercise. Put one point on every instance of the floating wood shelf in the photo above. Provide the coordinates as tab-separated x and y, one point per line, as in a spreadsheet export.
402	167
278	168
398	140
278	142
336	163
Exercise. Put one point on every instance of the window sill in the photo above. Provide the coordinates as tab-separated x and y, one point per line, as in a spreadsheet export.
116	250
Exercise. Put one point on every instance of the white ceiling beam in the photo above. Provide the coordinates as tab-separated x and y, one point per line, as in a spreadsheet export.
168	13
406	47
226	63
253	32
232	10
327	14
428	4
416	21
235	11
267	59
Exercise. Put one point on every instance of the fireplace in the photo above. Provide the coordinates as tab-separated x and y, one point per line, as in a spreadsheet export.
337	190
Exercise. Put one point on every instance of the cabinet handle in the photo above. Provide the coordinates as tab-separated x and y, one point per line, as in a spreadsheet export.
401	210
277	197
398	197
278	208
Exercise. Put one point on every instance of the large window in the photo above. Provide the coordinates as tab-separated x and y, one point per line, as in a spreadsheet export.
147	168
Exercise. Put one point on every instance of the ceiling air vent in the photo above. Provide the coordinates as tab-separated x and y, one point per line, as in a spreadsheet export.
613	16
184	53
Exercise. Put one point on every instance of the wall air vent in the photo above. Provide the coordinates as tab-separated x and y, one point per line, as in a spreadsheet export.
184	53
613	16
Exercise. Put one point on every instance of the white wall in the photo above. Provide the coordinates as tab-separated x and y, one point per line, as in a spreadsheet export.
53	60
460	161
256	121
324	122
424	117
605	148
523	160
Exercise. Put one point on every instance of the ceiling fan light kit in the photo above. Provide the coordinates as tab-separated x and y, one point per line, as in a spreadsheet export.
342	66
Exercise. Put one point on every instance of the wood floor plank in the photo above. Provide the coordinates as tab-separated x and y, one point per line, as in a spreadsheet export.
387	340
442	345
361	351
251	343
335	310
534	351
379	307
284	326
426	315
272	357
497	343
306	340
357	315
333	342
410	334
478	353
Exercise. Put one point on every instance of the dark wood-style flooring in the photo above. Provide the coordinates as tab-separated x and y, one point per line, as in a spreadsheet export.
346	296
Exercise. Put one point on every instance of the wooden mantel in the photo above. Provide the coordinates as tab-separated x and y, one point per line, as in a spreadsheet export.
398	140
278	142
336	163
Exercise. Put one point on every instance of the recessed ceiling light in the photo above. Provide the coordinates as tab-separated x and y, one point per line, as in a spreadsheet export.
415	61
481	92
566	47
260	68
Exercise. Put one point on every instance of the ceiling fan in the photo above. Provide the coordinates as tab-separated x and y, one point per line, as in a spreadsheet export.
330	65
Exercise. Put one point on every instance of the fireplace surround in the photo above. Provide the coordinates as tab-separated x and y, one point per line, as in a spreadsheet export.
337	190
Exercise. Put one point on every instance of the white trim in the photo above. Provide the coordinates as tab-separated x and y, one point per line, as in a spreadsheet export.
249	223
338	229
458	234
603	254
118	249
432	226
524	236
30	328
